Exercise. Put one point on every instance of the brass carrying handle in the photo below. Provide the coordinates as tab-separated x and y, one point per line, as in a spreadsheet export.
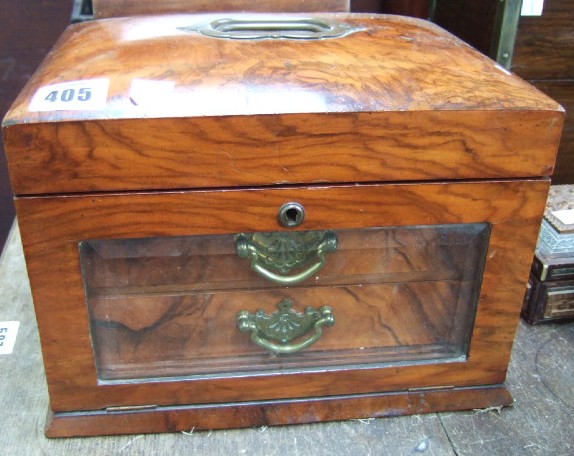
285	252
274	28
274	332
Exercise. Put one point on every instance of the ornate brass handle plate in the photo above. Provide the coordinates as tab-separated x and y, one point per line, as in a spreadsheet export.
274	28
274	332
275	255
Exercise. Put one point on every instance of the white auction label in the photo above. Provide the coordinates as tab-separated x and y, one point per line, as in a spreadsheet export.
8	333
149	93
85	95
566	216
532	8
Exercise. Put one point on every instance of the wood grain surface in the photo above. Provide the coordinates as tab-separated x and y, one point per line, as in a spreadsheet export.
173	419
279	112
285	149
119	8
52	227
191	335
544	46
360	108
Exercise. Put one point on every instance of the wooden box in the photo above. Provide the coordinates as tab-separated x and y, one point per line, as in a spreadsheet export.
552	300
233	221
550	293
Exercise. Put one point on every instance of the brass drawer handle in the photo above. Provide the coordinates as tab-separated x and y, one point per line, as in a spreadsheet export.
274	332
275	255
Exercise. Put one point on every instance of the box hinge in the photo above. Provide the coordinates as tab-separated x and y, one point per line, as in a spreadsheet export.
129	408
430	388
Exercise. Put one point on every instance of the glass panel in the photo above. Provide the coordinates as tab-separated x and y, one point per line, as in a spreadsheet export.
163	307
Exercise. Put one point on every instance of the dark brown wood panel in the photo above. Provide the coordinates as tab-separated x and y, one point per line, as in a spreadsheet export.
367	6
119	8
174	419
472	21
414	8
545	44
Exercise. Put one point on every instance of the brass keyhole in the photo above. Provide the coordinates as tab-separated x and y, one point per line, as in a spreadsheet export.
291	215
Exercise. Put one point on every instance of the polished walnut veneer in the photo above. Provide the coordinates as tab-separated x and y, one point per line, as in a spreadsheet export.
261	111
426	160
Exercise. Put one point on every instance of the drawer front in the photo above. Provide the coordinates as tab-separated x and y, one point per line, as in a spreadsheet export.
553	267
559	300
548	301
138	295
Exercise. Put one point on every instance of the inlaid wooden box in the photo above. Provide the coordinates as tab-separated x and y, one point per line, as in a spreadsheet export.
550	292
232	221
550	300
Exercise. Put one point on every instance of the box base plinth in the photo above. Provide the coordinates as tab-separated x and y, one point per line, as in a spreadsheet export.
269	413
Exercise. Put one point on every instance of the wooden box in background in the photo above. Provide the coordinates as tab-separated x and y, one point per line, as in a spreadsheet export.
539	49
232	222
544	55
117	8
550	294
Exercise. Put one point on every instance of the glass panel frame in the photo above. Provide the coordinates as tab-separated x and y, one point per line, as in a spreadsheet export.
166	307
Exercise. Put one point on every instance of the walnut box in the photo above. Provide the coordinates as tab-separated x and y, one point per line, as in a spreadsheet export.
239	220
